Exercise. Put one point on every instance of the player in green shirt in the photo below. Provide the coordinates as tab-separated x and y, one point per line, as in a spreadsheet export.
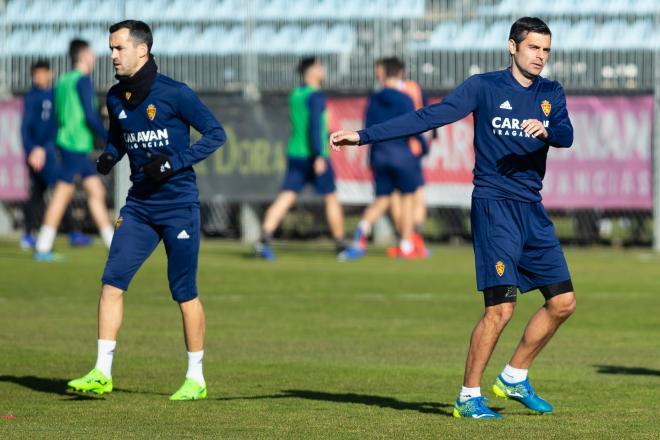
308	159
77	122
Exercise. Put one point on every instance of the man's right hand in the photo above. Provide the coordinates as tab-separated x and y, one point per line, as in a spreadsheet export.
342	138
37	158
105	162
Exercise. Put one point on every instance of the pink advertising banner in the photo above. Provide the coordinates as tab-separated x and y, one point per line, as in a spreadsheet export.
608	167
13	172
610	163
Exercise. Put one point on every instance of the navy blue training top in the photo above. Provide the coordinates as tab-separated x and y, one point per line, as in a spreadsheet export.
161	125
509	164
38	126
384	105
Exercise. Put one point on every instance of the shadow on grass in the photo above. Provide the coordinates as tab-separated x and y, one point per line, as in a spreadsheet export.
48	385
631	371
364	399
151	393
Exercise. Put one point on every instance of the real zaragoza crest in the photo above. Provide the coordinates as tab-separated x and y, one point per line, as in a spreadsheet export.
151	112
499	267
546	107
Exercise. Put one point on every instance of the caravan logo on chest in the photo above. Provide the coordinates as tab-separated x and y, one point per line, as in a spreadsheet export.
147	139
511	127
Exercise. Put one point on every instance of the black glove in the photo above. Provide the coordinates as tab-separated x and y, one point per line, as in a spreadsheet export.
105	162
160	168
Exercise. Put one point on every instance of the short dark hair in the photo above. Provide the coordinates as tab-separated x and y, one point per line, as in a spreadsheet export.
137	30
393	66
305	64
40	64
525	25
75	49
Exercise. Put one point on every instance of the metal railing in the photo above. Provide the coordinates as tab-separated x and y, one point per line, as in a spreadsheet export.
256	49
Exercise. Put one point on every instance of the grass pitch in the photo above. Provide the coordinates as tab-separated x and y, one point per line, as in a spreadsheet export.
309	348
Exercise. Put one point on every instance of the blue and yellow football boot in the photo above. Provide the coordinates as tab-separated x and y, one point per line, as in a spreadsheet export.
474	408
521	392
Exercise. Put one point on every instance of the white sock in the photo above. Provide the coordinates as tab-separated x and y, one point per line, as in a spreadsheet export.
106	349
106	234
45	239
195	366
513	375
364	227
468	393
406	246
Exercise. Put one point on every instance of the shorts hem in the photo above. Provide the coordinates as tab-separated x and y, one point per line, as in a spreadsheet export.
185	299
115	285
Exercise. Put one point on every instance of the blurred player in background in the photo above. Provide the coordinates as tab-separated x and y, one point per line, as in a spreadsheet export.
150	119
420	149
394	166
39	131
518	116
308	159
77	121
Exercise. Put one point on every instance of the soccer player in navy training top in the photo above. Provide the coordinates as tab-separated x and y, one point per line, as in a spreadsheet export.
518	116
39	131
395	167
150	120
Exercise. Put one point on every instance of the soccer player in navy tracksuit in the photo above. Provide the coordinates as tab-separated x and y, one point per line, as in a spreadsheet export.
518	116
150	119
420	149
38	131
393	164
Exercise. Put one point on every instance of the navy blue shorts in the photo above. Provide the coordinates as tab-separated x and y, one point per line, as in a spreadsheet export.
138	231
75	165
396	175
515	244
50	173
301	172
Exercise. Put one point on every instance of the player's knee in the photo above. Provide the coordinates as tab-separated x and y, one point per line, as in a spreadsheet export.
97	192
64	189
331	198
500	314
111	292
562	306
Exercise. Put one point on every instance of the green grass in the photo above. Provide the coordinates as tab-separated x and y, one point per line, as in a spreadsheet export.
310	348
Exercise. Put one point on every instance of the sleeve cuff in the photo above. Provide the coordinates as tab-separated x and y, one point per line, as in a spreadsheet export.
364	137
177	163
550	137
